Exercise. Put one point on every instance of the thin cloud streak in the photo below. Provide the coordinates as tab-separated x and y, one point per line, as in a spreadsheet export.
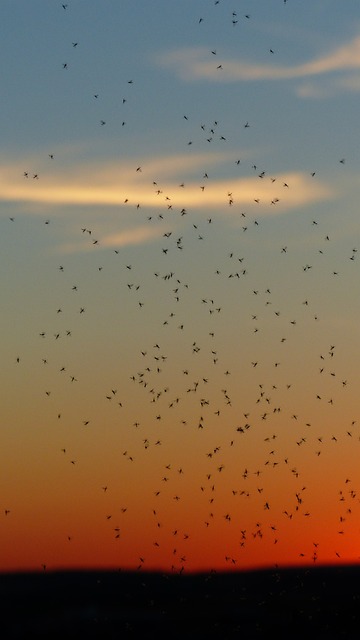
129	237
194	64
106	183
112	185
327	89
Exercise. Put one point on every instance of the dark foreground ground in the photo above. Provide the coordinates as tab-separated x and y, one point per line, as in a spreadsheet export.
293	603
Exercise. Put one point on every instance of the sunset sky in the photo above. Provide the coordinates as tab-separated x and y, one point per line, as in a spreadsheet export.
180	309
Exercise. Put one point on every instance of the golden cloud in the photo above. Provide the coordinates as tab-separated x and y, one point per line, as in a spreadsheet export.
154	185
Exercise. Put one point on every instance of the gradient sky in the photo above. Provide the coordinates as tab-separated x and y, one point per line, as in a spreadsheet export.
179	240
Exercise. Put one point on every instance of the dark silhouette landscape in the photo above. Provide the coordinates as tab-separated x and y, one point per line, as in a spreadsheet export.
322	601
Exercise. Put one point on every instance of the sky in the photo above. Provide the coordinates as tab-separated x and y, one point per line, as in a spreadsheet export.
179	277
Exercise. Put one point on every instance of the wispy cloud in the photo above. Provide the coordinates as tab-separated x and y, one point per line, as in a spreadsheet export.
326	89
196	63
129	237
155	184
101	182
